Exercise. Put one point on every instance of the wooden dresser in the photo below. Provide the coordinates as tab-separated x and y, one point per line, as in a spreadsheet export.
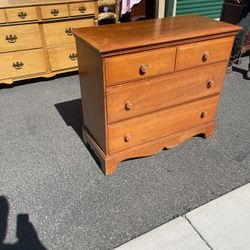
150	85
36	37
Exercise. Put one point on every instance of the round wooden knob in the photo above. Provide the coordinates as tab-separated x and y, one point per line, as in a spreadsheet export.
127	138
203	114
205	56
210	84
128	105
143	68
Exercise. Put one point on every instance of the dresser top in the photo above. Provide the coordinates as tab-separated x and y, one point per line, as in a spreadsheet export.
115	37
20	3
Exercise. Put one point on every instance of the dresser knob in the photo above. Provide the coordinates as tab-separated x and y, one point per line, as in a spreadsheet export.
73	57
11	38
205	56
17	65
82	9
143	69
127	138
203	114
55	12
22	14
69	32
210	84
128	105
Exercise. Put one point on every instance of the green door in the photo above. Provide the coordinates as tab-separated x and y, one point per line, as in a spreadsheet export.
208	8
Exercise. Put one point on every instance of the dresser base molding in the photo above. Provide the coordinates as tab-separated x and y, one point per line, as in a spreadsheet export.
44	75
109	163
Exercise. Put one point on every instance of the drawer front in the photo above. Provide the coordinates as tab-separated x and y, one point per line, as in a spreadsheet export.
202	53
22	63
64	57
2	17
21	14
139	65
84	8
136	131
13	38
54	11
165	91
61	33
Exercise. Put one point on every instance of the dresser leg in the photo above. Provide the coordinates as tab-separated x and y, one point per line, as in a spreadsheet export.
107	165
209	131
110	163
110	167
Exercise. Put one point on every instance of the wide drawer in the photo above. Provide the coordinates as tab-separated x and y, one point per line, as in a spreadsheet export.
54	11
63	57
139	65
2	17
22	63
201	53
84	8
126	134
19	37
154	94
61	32
21	14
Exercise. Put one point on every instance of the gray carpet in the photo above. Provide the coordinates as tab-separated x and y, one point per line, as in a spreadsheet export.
47	172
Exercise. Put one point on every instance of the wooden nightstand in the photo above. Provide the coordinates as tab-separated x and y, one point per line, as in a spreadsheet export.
150	85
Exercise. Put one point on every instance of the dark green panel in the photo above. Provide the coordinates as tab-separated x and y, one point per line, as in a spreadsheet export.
169	7
208	8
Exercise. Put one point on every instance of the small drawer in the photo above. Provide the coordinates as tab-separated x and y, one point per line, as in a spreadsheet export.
84	8
61	33
64	57
2	17
202	53
135	131
13	38
22	63
142	97
54	11
139	65
21	14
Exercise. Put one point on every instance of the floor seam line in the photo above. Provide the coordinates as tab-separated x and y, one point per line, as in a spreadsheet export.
196	230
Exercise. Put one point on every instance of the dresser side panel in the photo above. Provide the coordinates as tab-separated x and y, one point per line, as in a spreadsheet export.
92	92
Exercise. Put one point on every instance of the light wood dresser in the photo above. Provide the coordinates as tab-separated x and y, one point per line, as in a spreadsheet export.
36	37
150	85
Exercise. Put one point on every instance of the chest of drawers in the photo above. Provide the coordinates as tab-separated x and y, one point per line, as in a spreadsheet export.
150	85
36	38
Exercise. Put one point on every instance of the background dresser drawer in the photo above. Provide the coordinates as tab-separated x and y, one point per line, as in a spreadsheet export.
84	8
165	91
2	17
22	63
13	38
202	53
136	131
21	14
61	33
54	11
139	65
63	57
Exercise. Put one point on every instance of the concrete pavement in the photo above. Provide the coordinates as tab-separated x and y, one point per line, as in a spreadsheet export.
223	223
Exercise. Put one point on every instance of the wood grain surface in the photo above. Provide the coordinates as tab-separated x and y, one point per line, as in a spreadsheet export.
142	97
151	32
18	3
26	37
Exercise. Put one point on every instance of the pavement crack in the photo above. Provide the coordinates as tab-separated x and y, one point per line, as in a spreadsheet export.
196	230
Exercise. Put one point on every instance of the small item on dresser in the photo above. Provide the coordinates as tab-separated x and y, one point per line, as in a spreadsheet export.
152	85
